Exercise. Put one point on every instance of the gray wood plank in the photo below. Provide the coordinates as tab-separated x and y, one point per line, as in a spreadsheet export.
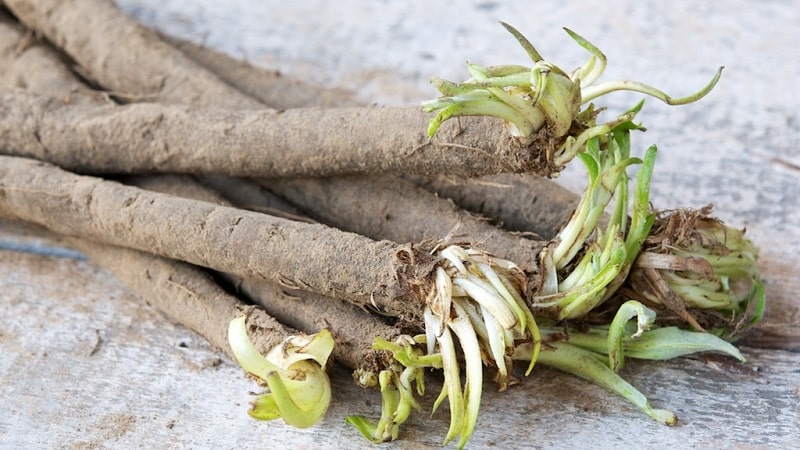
85	364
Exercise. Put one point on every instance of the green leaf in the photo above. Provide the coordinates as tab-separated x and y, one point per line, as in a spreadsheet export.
364	426
628	310
672	342
294	372
245	352
585	364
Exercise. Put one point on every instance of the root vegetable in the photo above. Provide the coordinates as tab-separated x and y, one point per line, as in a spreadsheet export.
143	138
81	28
523	203
226	239
270	87
353	329
165	73
346	141
394	209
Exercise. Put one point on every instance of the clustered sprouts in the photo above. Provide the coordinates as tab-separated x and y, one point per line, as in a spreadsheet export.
476	312
694	265
475	305
398	383
607	253
294	372
542	98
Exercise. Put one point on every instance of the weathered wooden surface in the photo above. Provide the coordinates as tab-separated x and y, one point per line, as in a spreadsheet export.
85	364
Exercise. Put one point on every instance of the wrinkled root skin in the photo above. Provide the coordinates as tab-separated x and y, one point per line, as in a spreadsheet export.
150	138
414	269
307	256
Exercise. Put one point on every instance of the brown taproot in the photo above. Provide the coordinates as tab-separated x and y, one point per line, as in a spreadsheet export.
296	308
314	257
121	55
149	137
395	209
270	87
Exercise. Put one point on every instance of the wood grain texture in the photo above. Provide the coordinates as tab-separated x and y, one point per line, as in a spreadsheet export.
109	371
84	364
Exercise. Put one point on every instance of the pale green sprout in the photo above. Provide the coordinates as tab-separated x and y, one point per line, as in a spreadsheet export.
707	265
476	297
628	310
475	313
398	384
585	364
658	344
530	99
294	372
598	354
608	253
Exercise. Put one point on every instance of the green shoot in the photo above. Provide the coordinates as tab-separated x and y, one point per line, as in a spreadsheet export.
294	373
398	384
597	354
477	298
628	310
692	261
475	314
542	97
585	364
608	254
